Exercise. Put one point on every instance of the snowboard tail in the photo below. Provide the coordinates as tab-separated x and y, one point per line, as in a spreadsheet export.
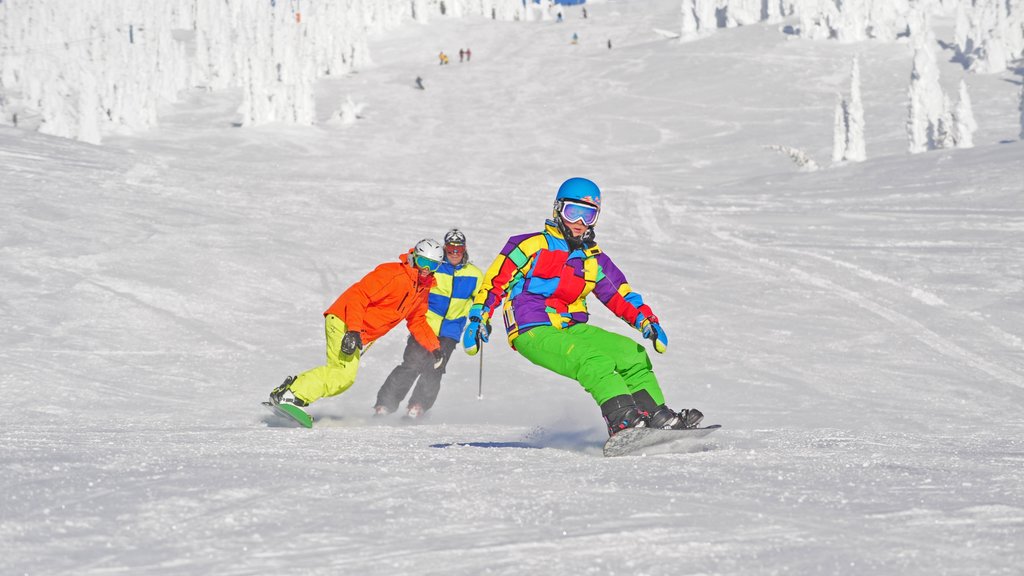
633	440
291	412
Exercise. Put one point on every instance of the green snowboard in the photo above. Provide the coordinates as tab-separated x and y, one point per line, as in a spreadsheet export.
291	412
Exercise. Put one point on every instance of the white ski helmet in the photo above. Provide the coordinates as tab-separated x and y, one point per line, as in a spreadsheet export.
429	249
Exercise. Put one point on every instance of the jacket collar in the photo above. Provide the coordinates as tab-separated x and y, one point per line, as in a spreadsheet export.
414	274
552	230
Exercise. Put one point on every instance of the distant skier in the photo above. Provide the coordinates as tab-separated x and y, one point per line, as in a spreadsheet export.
462	55
419	83
609	43
369	309
575	38
456	281
545	278
468	54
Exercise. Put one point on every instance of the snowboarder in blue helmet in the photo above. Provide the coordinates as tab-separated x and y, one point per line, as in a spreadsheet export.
545	278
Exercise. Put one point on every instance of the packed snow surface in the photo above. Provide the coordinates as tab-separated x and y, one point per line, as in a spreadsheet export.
857	330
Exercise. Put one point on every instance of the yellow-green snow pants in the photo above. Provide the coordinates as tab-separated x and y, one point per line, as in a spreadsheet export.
337	376
604	363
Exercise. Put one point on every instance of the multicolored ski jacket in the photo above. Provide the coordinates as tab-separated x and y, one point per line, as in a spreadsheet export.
546	284
451	298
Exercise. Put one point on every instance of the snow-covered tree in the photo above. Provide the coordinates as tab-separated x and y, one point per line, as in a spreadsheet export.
856	146
802	160
925	93
1020	106
964	124
989	34
848	142
839	130
942	133
690	26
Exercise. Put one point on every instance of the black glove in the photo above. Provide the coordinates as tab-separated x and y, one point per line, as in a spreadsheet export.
351	342
438	358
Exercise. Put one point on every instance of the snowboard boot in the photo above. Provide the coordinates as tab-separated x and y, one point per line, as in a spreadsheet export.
620	413
667	419
415	411
283	393
379	411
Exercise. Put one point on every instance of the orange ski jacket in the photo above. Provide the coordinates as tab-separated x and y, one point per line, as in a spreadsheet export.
378	302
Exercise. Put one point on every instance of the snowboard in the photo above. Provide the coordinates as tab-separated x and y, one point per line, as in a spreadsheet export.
633	440
291	412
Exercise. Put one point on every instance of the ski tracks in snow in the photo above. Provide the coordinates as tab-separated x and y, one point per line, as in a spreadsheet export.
650	209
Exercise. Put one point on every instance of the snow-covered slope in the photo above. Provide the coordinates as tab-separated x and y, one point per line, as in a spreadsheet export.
857	330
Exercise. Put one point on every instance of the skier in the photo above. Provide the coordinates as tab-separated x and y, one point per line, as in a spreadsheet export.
419	83
457	280
366	311
544	278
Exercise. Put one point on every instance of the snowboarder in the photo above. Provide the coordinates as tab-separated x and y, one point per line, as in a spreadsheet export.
545	278
419	83
575	38
456	281
366	311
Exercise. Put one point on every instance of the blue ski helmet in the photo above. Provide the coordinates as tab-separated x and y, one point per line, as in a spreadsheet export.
580	190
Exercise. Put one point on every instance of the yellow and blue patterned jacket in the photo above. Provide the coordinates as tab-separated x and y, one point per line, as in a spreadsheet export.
451	298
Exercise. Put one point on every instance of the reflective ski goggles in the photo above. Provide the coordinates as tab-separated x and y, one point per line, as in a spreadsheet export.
453	250
579	212
427	263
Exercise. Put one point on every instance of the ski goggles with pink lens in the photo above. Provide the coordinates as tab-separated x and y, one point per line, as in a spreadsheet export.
579	212
427	263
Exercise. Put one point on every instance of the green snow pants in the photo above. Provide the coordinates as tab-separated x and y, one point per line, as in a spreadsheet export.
604	363
337	375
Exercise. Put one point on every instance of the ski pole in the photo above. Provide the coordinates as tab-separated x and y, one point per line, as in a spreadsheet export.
480	382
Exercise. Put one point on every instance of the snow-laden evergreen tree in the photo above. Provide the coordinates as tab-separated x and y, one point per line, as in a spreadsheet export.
925	93
774	11
887	19
742	12
989	34
852	20
690	26
1020	107
839	130
707	18
856	145
943	132
964	124
848	141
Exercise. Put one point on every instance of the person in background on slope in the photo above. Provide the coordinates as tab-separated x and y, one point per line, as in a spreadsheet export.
456	281
545	278
366	311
